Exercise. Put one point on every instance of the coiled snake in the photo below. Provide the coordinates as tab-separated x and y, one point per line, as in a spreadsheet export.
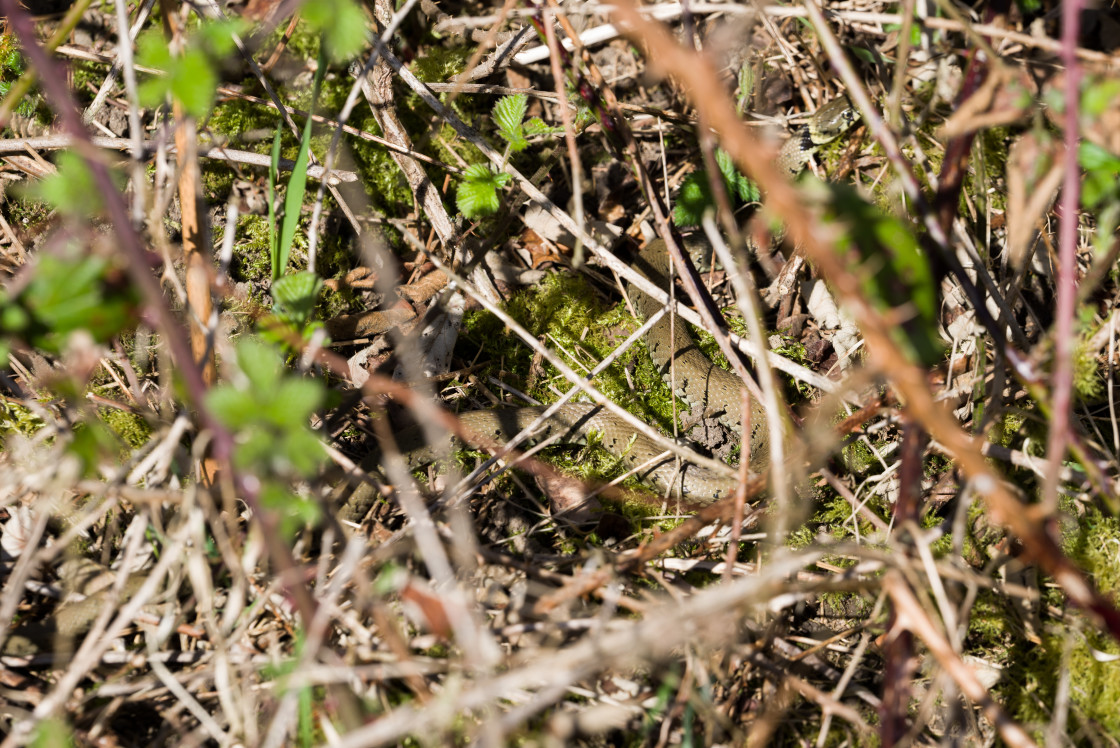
702	384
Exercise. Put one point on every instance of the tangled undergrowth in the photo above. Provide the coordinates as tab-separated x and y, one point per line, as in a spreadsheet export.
252	258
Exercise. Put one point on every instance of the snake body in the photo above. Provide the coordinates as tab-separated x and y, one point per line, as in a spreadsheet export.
693	377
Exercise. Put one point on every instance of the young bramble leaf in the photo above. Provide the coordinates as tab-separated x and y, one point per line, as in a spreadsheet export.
508	115
537	126
295	296
190	77
477	195
694	198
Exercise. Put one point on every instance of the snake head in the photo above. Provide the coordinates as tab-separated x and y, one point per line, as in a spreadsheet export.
833	120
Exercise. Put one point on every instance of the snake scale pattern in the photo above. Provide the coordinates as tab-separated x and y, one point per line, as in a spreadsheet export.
702	384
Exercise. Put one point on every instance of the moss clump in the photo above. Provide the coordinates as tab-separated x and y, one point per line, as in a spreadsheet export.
1088	382
1093	543
16	418
131	428
441	63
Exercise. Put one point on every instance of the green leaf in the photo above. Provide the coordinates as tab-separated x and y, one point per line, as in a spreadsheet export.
295	296
190	78
1094	158
294	512
342	23
300	398
883	253
297	183
1102	174
260	363
51	733
737	183
537	126
71	190
193	82
694	198
269	414
152	50
67	294
293	200
230	406
217	37
303	451
477	195
508	114
864	54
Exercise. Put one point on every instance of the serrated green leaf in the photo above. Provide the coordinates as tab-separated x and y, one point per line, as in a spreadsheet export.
508	115
727	167
295	295
537	126
477	195
477	199
477	172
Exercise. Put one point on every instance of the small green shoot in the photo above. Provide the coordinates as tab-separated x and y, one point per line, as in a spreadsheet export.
293	295
297	183
477	195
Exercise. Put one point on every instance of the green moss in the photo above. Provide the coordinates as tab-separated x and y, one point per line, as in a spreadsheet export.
991	624
132	429
1093	543
858	457
441	63
1096	685
233	117
1088	381
252	262
1033	671
16	418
